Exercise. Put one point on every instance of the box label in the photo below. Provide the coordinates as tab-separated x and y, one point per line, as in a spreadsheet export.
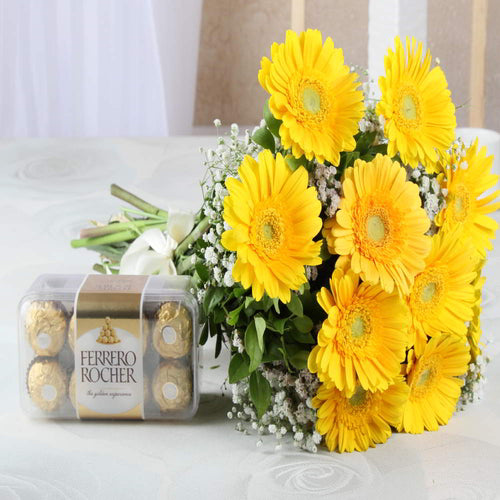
109	347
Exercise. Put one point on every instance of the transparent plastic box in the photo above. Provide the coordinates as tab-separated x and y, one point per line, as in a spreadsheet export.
108	361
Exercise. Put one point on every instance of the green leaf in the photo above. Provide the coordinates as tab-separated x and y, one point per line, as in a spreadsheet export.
266	302
264	138
351	157
204	334
324	252
302	338
303	324
202	271
234	315
212	298
277	325
299	359
260	393
272	123
218	345
365	141
276	303
252	346
219	315
295	163
260	327
207	299
248	301
273	352
379	148
295	305
238	292
238	368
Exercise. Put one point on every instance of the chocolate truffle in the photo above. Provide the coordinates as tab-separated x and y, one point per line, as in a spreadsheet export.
46	325
173	330
47	384
172	386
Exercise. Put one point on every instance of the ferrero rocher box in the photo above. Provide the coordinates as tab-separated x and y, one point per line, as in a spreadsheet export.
109	347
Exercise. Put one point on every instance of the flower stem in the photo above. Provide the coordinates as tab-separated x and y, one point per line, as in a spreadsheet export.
184	265
116	227
137	202
111	253
194	235
102	269
129	234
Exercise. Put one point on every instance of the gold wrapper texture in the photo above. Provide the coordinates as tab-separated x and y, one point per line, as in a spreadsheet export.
47	384
173	330
46	326
172	386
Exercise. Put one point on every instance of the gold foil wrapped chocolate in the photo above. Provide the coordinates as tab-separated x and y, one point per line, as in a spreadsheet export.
46	326
172	386
47	384
173	330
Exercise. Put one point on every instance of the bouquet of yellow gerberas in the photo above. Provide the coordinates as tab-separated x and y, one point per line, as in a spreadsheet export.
338	252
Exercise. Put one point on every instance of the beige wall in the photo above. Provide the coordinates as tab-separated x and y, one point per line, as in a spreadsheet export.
235	34
449	38
492	83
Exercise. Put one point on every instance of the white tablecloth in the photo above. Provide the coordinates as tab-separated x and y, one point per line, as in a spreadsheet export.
48	190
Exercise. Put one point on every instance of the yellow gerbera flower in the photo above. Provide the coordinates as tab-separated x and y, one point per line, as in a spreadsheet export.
361	420
442	296
380	225
364	337
314	94
416	104
274	217
474	332
466	179
434	384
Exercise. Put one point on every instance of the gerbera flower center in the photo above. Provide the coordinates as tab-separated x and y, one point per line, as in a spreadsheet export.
427	291
357	327
358	398
375	228
309	100
424	377
460	203
268	231
407	108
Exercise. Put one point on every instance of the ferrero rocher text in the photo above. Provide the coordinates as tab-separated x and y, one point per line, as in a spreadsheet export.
108	366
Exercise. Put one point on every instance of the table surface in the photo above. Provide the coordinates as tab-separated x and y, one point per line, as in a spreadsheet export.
49	189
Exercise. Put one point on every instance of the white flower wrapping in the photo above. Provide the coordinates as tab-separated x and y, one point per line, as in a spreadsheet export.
153	251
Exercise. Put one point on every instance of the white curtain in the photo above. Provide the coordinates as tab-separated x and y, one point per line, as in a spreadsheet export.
97	67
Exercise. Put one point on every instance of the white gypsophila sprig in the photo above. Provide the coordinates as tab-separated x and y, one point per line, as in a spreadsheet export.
474	381
431	193
221	163
290	412
326	180
371	122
